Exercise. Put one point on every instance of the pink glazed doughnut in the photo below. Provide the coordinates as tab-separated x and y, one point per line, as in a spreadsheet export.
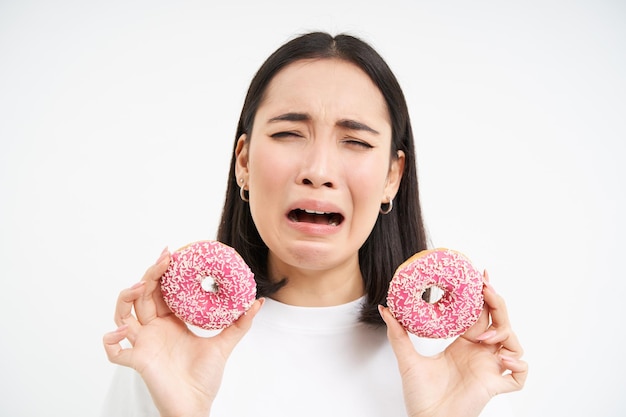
459	306
208	285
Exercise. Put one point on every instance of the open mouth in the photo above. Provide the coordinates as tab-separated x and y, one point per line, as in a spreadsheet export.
317	217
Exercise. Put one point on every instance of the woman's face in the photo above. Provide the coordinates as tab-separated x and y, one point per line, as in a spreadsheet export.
318	164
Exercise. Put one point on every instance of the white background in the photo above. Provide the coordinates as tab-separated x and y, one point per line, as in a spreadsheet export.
116	125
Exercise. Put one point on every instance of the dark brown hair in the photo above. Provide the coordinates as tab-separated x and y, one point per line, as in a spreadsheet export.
395	236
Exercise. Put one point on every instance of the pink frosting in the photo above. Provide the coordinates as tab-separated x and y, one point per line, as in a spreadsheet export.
455	312
215	307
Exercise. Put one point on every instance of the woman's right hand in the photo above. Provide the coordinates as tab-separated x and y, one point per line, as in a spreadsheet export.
182	371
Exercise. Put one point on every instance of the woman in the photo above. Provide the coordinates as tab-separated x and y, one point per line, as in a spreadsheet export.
322	203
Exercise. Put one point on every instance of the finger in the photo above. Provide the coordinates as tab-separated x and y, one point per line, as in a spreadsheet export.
484	319
125	303
231	335
397	335
145	306
504	340
497	306
486	278
517	353
501	324
113	348
516	378
480	327
498	333
162	308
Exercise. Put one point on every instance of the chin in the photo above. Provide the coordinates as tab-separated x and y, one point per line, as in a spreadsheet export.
317	257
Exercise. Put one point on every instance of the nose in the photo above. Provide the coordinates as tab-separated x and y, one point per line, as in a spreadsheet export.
319	165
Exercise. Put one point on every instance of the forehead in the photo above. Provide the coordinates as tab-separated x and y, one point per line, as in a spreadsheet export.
331	85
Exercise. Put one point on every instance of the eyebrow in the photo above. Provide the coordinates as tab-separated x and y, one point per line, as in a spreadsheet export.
354	125
303	117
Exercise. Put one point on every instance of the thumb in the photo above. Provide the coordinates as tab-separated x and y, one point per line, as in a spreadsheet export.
398	336
231	335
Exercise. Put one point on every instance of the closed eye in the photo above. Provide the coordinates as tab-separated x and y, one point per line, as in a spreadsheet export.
285	135
357	143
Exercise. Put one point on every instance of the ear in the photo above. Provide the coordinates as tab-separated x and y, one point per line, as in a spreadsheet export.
241	158
396	169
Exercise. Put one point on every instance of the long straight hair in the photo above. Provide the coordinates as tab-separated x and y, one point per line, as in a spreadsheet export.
395	236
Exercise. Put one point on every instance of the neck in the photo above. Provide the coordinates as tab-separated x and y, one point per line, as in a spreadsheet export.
318	288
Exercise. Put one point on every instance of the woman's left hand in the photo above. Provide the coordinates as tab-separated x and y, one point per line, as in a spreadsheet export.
480	364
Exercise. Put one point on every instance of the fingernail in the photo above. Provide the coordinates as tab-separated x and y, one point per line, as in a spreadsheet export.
507	358
259	301
489	286
164	253
487	335
137	285
485	276
121	328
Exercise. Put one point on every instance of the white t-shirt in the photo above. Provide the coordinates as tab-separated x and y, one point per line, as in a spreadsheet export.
300	361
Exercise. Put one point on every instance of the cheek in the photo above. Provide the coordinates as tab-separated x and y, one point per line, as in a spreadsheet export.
367	181
269	169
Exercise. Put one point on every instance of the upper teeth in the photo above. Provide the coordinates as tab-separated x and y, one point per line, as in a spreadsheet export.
314	212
